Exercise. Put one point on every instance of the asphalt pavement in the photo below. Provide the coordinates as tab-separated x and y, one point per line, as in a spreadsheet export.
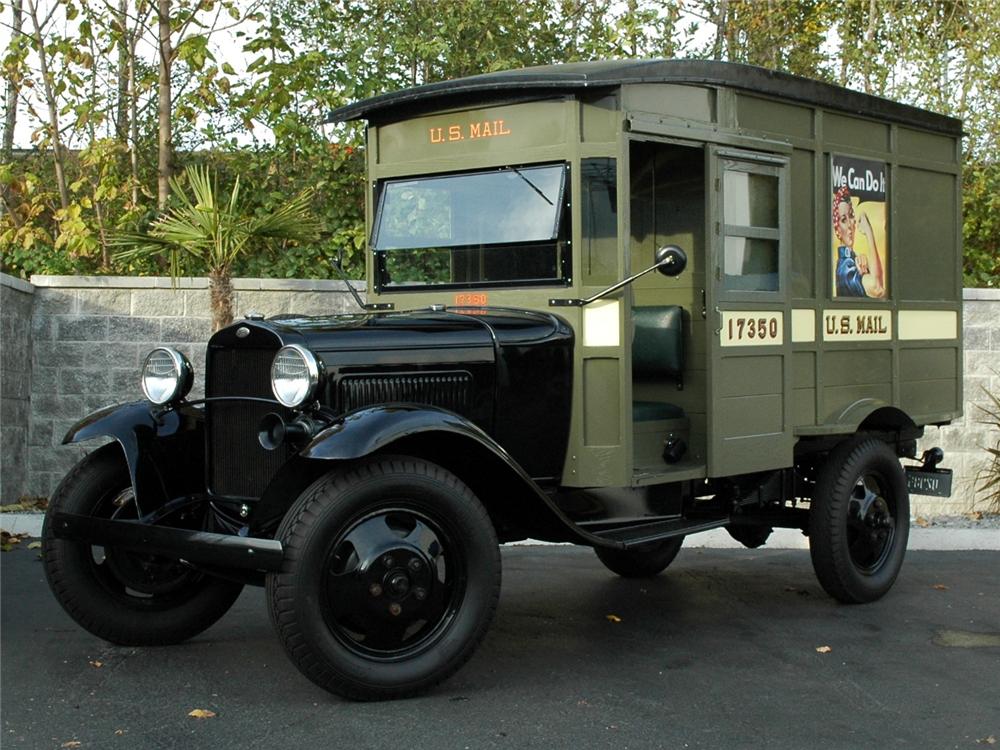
727	649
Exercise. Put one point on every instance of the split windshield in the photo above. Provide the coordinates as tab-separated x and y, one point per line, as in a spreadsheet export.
489	227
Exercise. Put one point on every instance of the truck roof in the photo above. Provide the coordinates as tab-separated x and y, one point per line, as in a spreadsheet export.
576	78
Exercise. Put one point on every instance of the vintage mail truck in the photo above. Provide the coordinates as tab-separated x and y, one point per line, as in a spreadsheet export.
609	303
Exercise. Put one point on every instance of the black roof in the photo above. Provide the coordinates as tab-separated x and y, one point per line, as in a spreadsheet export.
575	78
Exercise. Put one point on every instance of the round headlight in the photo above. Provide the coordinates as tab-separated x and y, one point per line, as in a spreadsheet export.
294	375
166	375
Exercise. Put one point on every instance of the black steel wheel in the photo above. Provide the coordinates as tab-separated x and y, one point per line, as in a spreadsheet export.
123	596
859	521
644	561
390	581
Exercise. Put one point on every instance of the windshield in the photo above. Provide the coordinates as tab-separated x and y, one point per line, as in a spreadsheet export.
484	227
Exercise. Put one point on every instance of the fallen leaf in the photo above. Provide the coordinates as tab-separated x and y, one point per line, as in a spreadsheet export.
8	540
71	743
119	733
35	545
974	515
991	740
97	664
823	649
613	618
922	522
939	587
25	503
202	713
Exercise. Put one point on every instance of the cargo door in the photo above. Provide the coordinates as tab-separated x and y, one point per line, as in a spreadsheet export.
749	367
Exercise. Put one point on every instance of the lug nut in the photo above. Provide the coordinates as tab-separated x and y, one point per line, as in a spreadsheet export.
375	589
387	561
395	609
415	565
421	594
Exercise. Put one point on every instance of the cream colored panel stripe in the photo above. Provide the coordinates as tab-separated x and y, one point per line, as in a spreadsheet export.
601	323
803	325
927	324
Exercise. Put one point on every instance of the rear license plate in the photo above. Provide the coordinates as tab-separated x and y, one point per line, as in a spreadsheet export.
936	482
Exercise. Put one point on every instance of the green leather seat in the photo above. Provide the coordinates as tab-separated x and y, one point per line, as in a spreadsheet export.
657	355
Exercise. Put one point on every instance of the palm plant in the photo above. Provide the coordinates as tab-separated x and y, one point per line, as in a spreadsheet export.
988	478
217	229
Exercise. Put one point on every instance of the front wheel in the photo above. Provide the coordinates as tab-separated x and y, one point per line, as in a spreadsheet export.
124	596
644	561
859	521
390	581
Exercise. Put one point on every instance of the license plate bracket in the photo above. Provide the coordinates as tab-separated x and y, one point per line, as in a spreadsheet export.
934	482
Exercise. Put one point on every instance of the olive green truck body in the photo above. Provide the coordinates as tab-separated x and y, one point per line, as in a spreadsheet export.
709	156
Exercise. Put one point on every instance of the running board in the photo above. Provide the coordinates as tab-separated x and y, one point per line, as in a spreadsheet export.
640	533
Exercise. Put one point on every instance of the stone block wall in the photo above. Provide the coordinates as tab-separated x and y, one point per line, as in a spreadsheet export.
964	441
16	298
91	335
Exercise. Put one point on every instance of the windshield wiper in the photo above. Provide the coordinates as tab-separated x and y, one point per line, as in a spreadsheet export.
532	185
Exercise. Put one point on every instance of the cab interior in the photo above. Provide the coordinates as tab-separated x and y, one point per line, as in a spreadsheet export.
668	354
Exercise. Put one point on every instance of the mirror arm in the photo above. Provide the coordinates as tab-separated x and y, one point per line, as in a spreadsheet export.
576	302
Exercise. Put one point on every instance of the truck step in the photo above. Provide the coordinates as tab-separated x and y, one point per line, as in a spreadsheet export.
632	533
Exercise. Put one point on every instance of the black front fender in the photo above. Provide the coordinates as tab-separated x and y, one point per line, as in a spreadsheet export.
433	433
164	449
366	431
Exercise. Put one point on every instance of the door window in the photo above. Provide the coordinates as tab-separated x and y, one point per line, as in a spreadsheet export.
752	218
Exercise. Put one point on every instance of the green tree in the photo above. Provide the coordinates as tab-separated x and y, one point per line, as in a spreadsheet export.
217	229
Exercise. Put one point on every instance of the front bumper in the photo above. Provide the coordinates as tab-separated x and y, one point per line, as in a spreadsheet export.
200	548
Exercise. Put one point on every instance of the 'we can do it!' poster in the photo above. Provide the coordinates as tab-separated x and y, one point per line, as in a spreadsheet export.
858	215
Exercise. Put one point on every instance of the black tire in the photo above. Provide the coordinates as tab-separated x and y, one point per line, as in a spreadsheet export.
859	521
128	598
750	537
644	561
390	581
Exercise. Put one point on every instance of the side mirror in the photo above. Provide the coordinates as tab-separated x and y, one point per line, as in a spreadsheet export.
670	260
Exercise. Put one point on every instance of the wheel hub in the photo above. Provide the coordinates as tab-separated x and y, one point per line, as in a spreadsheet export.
870	526
388	584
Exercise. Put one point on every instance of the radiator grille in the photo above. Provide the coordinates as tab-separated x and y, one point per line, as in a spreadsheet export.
449	390
238	465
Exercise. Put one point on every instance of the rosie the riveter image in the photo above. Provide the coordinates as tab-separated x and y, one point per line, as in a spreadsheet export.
859	214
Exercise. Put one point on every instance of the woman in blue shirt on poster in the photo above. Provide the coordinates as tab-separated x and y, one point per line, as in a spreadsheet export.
853	267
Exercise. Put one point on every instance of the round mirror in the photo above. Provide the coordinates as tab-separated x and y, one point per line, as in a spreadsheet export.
670	260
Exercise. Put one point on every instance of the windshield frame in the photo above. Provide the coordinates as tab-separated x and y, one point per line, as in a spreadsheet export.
560	242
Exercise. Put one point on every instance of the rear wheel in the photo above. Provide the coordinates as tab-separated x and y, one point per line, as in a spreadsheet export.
124	596
390	581
859	521
644	561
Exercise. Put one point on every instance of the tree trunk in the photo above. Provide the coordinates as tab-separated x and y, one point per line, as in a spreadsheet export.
869	46
721	23
10	95
50	102
122	112
133	103
165	143
220	288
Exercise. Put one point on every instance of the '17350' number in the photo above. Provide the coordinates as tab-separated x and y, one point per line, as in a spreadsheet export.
753	328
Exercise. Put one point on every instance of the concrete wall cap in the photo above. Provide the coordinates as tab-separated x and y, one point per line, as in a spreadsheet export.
981	294
15	283
164	282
